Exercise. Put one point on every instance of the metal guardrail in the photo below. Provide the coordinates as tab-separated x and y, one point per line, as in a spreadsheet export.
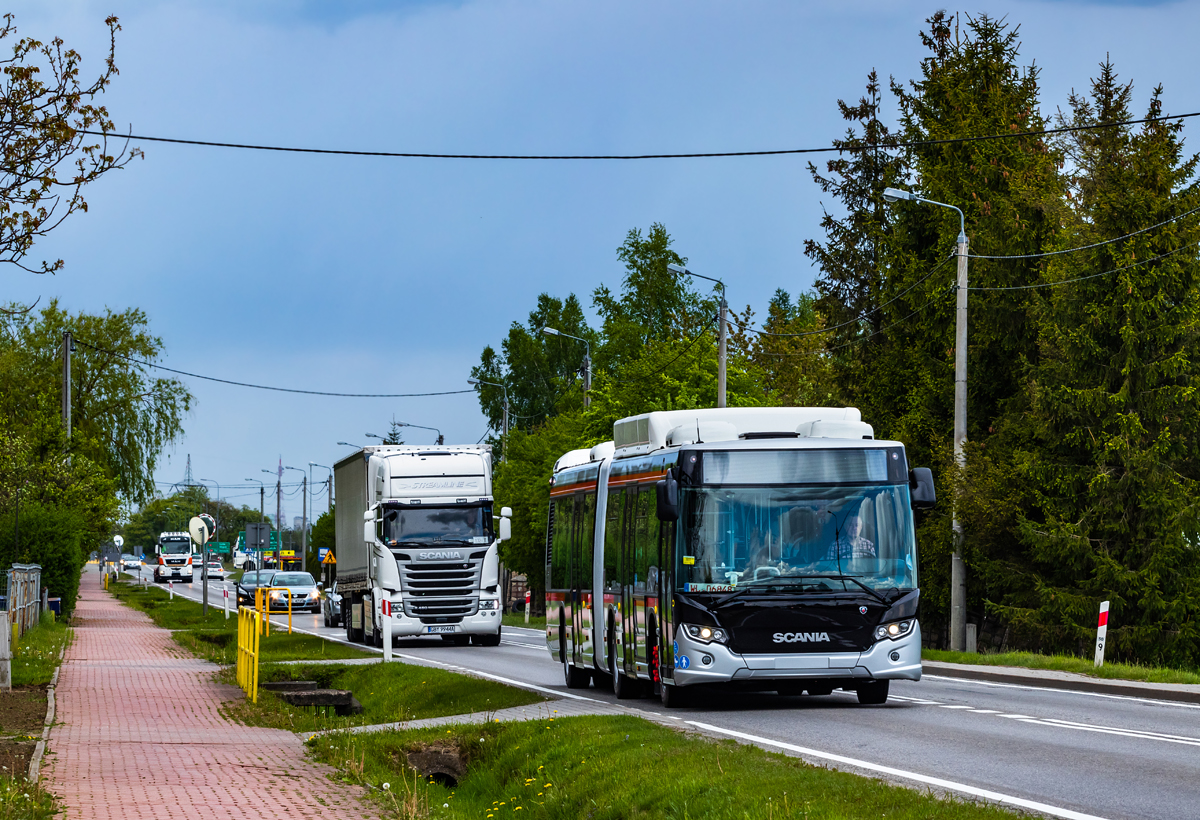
249	628
262	604
24	597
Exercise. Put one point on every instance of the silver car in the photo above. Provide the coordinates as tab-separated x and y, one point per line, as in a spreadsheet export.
299	587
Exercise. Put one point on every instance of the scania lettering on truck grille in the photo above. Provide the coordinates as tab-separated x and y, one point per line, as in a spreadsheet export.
440	555
801	637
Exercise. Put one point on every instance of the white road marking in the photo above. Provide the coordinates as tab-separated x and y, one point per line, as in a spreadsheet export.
520	684
952	706
526	645
963	788
1045	689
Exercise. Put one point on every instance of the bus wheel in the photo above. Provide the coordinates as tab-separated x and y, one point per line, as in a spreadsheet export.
622	686
673	696
574	677
873	693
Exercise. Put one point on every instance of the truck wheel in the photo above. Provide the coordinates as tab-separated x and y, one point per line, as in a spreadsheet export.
873	693
487	640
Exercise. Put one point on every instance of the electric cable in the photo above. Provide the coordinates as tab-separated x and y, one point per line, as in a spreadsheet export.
691	344
859	318
701	155
268	387
1092	275
1093	245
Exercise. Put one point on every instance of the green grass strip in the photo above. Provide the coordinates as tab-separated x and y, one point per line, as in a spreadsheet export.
38	653
215	639
389	693
1066	663
22	800
518	619
605	768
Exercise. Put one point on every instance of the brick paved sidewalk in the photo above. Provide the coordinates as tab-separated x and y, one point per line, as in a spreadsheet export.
139	735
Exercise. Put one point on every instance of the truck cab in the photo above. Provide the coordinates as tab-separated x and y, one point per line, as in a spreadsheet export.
174	558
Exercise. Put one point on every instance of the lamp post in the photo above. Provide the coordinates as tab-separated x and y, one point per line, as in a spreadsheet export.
262	491
348	444
278	508
587	362
958	570
504	429
303	517
204	549
329	487
440	438
721	332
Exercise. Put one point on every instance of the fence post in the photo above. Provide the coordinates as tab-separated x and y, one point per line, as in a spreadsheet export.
5	661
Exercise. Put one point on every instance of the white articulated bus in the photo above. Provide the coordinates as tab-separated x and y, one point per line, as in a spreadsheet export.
756	548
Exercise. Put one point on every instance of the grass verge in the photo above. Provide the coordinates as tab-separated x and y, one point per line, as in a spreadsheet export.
22	800
614	767
215	639
389	693
518	619
1066	663
38	653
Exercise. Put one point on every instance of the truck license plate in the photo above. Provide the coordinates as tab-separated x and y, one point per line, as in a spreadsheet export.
438	630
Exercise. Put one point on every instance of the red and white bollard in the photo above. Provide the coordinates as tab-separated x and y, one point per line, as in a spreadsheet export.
1101	632
226	602
387	630
527	594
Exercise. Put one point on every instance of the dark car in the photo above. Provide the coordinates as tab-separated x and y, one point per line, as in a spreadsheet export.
251	581
331	605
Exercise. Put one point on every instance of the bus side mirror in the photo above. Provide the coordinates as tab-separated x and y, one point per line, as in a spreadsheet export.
667	495
920	484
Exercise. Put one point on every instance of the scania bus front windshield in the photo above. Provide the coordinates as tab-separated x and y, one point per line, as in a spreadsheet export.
804	520
174	546
460	524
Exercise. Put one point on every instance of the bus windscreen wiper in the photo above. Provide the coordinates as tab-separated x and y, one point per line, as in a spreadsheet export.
784	581
852	580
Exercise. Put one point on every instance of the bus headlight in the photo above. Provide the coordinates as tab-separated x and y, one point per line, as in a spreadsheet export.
705	634
894	630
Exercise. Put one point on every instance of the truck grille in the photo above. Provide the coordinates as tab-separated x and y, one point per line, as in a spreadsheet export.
440	592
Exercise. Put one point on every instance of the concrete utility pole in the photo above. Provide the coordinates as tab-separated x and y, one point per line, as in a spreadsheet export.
958	569
303	515
723	312
67	348
587	363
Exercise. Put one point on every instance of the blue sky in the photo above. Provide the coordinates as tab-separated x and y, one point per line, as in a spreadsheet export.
390	275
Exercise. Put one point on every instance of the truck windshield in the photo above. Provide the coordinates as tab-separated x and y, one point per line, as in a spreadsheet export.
458	524
819	538
176	547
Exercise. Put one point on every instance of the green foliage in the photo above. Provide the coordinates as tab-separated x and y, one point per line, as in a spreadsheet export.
1066	663
121	417
52	536
39	652
173	513
323	536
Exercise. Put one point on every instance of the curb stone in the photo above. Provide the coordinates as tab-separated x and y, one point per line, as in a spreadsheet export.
35	762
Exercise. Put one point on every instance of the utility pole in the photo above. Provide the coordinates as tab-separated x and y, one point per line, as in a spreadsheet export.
504	427
67	348
303	523
723	311
329	492
958	569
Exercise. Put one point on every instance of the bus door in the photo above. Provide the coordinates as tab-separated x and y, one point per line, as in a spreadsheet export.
614	507
644	534
628	655
585	531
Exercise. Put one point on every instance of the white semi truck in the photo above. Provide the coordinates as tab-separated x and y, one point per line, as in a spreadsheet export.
415	529
174	553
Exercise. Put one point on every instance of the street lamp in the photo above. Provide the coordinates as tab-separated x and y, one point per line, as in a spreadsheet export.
348	444
205	549
440	438
721	333
587	362
303	517
504	429
329	489
958	570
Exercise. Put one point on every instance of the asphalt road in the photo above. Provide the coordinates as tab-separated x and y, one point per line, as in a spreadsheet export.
1068	754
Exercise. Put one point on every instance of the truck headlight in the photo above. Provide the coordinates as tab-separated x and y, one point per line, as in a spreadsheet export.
487	605
705	634
894	630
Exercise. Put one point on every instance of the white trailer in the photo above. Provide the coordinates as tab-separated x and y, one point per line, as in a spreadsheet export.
415	529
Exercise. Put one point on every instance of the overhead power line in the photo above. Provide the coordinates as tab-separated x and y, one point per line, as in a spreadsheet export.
1093	245
699	155
269	387
1094	275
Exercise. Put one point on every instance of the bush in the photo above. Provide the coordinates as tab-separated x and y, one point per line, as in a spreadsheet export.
52	537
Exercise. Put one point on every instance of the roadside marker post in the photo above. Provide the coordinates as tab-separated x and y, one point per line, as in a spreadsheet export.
387	630
171	589
226	602
1101	633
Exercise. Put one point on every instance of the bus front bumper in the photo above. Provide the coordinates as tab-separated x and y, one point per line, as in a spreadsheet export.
697	663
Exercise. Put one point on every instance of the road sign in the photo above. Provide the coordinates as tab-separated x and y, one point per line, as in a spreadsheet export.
210	521
329	559
198	528
219	547
287	553
119	541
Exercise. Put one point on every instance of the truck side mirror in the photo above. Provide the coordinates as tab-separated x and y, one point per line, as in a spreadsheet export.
666	493
506	512
505	528
920	484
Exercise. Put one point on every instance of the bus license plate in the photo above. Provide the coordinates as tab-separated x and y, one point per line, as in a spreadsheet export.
438	630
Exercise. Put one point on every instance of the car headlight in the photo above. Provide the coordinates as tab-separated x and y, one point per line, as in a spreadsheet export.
487	605
277	594
706	634
894	630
